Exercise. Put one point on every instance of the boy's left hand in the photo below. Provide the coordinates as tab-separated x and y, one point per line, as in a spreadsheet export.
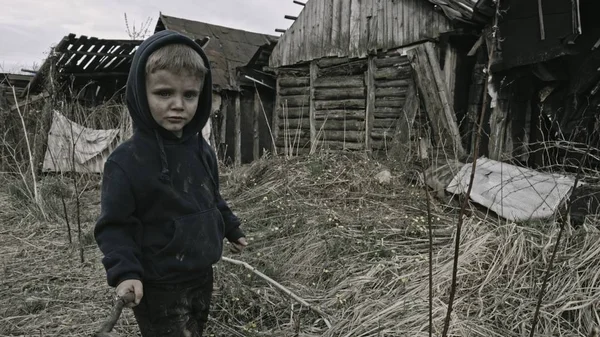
239	245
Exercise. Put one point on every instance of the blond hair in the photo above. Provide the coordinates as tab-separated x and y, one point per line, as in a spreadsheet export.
178	59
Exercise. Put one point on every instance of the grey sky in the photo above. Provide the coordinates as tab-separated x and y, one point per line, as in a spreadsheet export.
28	28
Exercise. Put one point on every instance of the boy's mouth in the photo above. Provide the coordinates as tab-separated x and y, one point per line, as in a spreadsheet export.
175	119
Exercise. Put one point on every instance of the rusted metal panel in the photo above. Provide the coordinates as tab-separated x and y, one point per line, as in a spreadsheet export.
356	27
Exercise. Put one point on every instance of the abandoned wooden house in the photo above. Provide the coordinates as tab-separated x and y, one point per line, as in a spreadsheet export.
94	71
345	81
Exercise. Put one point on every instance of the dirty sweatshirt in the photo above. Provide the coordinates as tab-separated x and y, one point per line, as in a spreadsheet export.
162	217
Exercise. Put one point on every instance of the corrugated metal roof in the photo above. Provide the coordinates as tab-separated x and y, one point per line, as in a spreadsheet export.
228	49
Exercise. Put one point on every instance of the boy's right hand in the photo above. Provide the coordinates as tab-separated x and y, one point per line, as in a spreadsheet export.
131	286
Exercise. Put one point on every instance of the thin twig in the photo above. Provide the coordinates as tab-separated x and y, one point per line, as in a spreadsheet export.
555	249
465	203
280	287
429	226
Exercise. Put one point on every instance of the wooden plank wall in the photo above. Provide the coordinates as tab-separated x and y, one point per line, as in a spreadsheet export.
341	103
291	114
352	28
392	77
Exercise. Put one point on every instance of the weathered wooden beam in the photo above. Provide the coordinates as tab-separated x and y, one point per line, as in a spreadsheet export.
390	92
279	30
314	70
370	104
276	110
339	93
392	73
340	125
297	123
294	91
340	104
392	83
341	145
396	61
255	129
291	81
348	136
299	3
340	115
387	112
238	132
390	103
295	101
293	113
431	83
356	81
291	17
407	118
384	123
223	126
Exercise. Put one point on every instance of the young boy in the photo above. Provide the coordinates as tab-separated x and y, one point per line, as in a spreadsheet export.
162	220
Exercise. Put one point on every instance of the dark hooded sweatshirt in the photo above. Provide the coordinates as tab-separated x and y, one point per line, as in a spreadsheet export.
162	218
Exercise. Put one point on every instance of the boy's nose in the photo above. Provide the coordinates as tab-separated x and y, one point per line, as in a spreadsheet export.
178	103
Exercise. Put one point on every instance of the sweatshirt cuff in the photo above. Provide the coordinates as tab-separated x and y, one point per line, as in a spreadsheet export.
125	277
235	234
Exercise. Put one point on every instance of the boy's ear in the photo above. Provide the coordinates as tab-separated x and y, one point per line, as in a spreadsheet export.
203	42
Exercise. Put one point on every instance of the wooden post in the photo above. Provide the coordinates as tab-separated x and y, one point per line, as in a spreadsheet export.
223	133
275	118
314	69
238	131
370	105
432	85
256	147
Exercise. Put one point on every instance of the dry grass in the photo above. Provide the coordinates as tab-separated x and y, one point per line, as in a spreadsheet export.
327	230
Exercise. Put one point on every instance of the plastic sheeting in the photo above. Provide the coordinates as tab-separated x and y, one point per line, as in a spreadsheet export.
515	193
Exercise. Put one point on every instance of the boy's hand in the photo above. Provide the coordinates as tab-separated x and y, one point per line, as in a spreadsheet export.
131	286
239	245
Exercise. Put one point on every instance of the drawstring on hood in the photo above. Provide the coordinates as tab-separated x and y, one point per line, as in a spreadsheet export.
137	100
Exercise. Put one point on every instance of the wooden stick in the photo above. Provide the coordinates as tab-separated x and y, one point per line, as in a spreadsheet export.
114	316
280	287
541	15
290	17
299	3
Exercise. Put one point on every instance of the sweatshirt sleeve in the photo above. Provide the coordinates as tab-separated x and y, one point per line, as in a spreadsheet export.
118	231
232	224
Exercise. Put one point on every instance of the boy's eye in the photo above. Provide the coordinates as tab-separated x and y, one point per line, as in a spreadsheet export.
163	93
191	94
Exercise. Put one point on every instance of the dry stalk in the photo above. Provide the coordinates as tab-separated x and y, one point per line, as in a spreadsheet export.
464	204
36	194
280	287
555	249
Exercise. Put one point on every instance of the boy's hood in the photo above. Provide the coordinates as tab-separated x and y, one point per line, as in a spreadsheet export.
137	101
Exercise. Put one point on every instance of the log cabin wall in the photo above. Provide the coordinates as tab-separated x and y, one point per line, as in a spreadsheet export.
392	76
341	104
291	118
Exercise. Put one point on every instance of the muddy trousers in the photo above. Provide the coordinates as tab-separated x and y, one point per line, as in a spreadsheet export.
175	310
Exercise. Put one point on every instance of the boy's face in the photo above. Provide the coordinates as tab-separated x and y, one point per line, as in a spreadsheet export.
173	98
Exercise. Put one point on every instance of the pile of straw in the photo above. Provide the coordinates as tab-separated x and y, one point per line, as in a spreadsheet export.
328	231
